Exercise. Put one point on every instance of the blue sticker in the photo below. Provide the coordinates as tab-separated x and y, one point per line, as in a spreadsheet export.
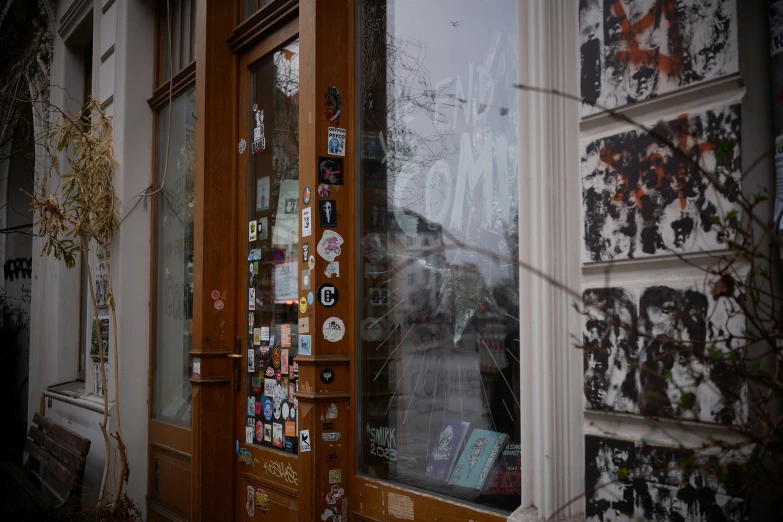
268	408
254	255
310	298
306	194
245	457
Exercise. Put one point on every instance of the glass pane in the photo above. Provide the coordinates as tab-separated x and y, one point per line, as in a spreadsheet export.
174	259
439	344
250	6
272	249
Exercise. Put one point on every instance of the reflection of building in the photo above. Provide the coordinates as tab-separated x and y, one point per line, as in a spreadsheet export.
433	330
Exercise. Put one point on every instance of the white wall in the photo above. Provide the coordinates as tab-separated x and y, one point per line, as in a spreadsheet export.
122	33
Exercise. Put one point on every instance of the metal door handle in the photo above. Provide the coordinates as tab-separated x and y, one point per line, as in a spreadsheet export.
234	355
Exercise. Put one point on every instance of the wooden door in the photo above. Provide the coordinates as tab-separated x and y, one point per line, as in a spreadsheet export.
264	373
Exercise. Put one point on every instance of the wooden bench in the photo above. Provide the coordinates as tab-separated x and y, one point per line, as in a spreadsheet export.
56	452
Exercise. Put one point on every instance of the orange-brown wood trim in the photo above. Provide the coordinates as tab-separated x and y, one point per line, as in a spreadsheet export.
261	23
213	258
371	502
182	81
257	473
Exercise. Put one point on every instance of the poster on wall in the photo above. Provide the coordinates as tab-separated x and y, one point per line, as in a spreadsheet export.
658	487
631	365
642	198
633	50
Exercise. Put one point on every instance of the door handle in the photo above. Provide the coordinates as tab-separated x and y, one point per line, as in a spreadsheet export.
234	356
237	346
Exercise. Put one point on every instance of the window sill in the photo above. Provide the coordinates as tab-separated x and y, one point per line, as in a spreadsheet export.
74	393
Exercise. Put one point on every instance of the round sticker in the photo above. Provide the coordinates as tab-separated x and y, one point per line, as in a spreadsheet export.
278	376
371	329
311	262
215	294
324	190
306	280
268	409
219	305
285	410
276	357
306	193
328	295
293	413
334	329
310	298
302	305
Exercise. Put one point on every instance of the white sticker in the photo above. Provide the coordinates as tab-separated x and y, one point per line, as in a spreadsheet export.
264	333
248	434
251	299
329	246
307	222
250	504
253	231
251	361
332	269
331	436
311	263
305	345
306	279
242	146
334	329
197	367
336	141
304	325
331	411
263	228
304	440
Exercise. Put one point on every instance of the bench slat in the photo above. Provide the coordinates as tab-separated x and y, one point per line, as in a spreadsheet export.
78	442
68	457
50	463
49	488
28	486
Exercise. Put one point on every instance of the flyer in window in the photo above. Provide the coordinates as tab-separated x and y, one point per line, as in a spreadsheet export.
285	283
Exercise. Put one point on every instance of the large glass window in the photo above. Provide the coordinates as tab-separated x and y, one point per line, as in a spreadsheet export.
439	288
273	250
174	212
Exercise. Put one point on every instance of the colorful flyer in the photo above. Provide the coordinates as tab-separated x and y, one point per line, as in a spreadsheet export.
257	336
285	335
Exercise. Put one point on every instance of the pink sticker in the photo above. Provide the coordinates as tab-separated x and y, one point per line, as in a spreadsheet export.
215	294
219	305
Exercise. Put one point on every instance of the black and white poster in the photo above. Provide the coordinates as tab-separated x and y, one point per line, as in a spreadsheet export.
652	193
633	50
647	351
654	486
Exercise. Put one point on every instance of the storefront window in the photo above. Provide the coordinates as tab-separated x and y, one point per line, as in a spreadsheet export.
174	212
273	250
439	289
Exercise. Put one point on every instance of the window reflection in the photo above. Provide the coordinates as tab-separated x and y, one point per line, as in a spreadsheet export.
440	316
174	213
272	250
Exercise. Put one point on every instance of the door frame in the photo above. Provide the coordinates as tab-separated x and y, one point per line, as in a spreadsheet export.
284	484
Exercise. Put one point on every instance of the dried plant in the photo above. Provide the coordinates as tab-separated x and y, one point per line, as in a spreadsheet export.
83	213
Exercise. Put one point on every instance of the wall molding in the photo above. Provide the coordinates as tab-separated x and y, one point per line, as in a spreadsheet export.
73	17
550	370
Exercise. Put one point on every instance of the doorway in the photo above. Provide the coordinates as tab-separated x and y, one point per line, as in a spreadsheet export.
265	375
